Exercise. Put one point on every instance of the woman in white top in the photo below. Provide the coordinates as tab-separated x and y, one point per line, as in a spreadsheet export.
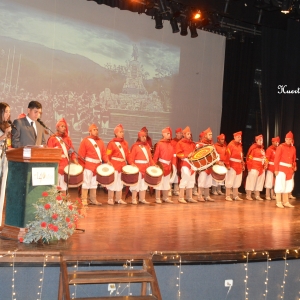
5	141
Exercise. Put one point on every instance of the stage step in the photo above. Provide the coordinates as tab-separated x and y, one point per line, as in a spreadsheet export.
146	275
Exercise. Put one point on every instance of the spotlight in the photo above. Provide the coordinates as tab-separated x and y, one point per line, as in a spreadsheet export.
158	20
174	25
183	26
193	30
197	15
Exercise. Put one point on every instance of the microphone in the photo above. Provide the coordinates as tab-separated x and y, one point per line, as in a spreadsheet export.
42	123
11	124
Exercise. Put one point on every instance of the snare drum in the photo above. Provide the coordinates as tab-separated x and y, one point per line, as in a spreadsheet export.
105	174
153	176
219	173
204	157
75	175
130	175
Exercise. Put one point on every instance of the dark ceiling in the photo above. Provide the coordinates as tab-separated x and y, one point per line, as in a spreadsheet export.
220	16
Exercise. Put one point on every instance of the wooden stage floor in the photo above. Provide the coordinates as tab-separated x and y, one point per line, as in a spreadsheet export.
219	231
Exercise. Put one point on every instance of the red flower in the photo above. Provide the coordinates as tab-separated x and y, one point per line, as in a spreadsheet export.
54	216
79	211
68	219
70	207
44	224
21	240
63	194
47	206
79	200
58	188
70	225
45	194
55	228
58	198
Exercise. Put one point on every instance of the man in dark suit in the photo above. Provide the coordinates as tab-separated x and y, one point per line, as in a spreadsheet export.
27	130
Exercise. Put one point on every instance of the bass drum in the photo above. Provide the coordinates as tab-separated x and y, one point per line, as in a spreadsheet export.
153	176
75	175
105	174
130	175
204	157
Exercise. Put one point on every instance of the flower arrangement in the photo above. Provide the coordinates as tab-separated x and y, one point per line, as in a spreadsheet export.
55	217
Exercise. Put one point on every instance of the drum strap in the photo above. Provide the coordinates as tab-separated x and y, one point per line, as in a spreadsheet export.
192	167
96	148
63	146
121	150
145	152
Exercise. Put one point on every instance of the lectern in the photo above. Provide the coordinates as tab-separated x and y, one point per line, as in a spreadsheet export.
27	169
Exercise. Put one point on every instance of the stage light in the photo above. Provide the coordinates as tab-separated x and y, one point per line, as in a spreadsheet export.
193	30
158	20
174	25
197	15
183	27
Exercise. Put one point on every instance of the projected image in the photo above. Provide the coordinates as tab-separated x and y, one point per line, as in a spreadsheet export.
84	73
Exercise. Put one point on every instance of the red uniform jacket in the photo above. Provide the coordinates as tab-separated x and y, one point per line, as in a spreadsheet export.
113	151
137	153
255	158
235	151
270	155
87	150
222	151
165	151
285	154
183	148
54	143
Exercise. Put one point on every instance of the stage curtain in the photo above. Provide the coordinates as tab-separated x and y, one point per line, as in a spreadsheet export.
239	70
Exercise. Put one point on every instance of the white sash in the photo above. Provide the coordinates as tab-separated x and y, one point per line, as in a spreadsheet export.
96	148
145	152
63	146
121	150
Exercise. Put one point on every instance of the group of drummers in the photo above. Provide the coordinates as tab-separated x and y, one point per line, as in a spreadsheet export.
191	168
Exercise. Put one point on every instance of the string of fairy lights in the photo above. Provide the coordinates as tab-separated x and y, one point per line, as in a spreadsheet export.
122	288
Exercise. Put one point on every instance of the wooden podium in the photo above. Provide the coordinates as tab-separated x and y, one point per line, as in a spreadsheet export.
20	192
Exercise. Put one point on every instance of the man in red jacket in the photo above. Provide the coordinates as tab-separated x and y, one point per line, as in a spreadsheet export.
176	170
236	167
142	158
221	148
119	155
185	148
284	166
256	164
270	178
62	140
164	154
92	153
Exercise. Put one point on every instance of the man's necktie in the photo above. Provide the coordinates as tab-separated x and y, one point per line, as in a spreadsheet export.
33	130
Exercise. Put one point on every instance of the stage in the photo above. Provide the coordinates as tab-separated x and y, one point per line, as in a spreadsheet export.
219	231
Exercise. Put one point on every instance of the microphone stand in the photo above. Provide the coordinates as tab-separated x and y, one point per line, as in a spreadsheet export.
68	175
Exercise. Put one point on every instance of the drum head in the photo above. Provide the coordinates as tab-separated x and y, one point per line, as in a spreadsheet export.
130	169
74	169
202	152
105	170
154	171
221	170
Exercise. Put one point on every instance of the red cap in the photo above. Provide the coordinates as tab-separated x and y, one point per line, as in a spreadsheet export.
276	139
178	130
237	133
63	121
141	133
221	136
201	135
144	129
186	129
118	128
92	126
289	135
208	130
166	130
259	137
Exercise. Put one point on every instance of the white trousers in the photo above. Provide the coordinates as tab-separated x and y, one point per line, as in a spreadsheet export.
204	180
216	183
140	186
269	181
61	182
117	185
164	184
255	182
187	180
232	180
282	185
4	164
89	180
